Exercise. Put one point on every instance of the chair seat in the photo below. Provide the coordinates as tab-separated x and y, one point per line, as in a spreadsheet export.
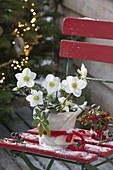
31	145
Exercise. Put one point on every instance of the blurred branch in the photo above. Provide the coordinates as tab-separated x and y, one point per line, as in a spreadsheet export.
6	63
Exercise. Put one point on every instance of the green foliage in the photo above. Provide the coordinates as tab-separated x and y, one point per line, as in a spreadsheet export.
42	122
6	98
44	42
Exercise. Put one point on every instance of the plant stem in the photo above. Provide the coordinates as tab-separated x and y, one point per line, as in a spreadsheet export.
63	104
99	80
23	92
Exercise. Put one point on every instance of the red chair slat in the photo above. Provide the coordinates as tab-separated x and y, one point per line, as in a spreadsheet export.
87	27
79	156
99	150
86	51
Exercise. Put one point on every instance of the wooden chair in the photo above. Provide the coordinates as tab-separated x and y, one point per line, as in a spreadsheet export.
77	50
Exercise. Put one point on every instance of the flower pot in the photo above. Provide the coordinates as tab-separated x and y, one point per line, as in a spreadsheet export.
60	125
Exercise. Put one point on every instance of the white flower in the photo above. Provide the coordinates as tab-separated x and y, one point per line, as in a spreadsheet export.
26	78
83	71
74	85
67	103
35	98
51	84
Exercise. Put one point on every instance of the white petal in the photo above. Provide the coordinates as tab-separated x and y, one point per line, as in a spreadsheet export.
40	101
29	83
33	92
50	77
29	97
67	89
40	93
26	71
79	71
32	75
33	103
69	79
18	76
82	84
61	99
44	84
50	90
77	92
57	79
20	83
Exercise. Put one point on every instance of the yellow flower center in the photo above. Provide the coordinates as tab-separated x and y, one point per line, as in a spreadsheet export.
26	78
74	85
51	84
36	98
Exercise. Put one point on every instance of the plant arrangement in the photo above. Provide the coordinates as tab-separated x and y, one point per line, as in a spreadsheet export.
52	95
98	119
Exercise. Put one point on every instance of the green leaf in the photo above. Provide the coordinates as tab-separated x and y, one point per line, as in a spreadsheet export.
42	116
35	122
41	130
46	121
38	113
47	129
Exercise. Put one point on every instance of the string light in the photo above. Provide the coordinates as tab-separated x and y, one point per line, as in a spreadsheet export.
13	42
28	28
33	20
2	78
33	25
34	13
21	30
32	4
27	46
32	10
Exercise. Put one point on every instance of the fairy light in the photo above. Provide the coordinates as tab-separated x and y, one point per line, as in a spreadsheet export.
28	28
13	42
24	30
12	65
33	20
14	61
36	29
32	10
1	81
15	30
33	25
34	13
27	46
21	29
26	58
21	25
18	32
32	4
2	78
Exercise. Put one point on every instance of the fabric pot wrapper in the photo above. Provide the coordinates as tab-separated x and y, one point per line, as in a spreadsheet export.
62	132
